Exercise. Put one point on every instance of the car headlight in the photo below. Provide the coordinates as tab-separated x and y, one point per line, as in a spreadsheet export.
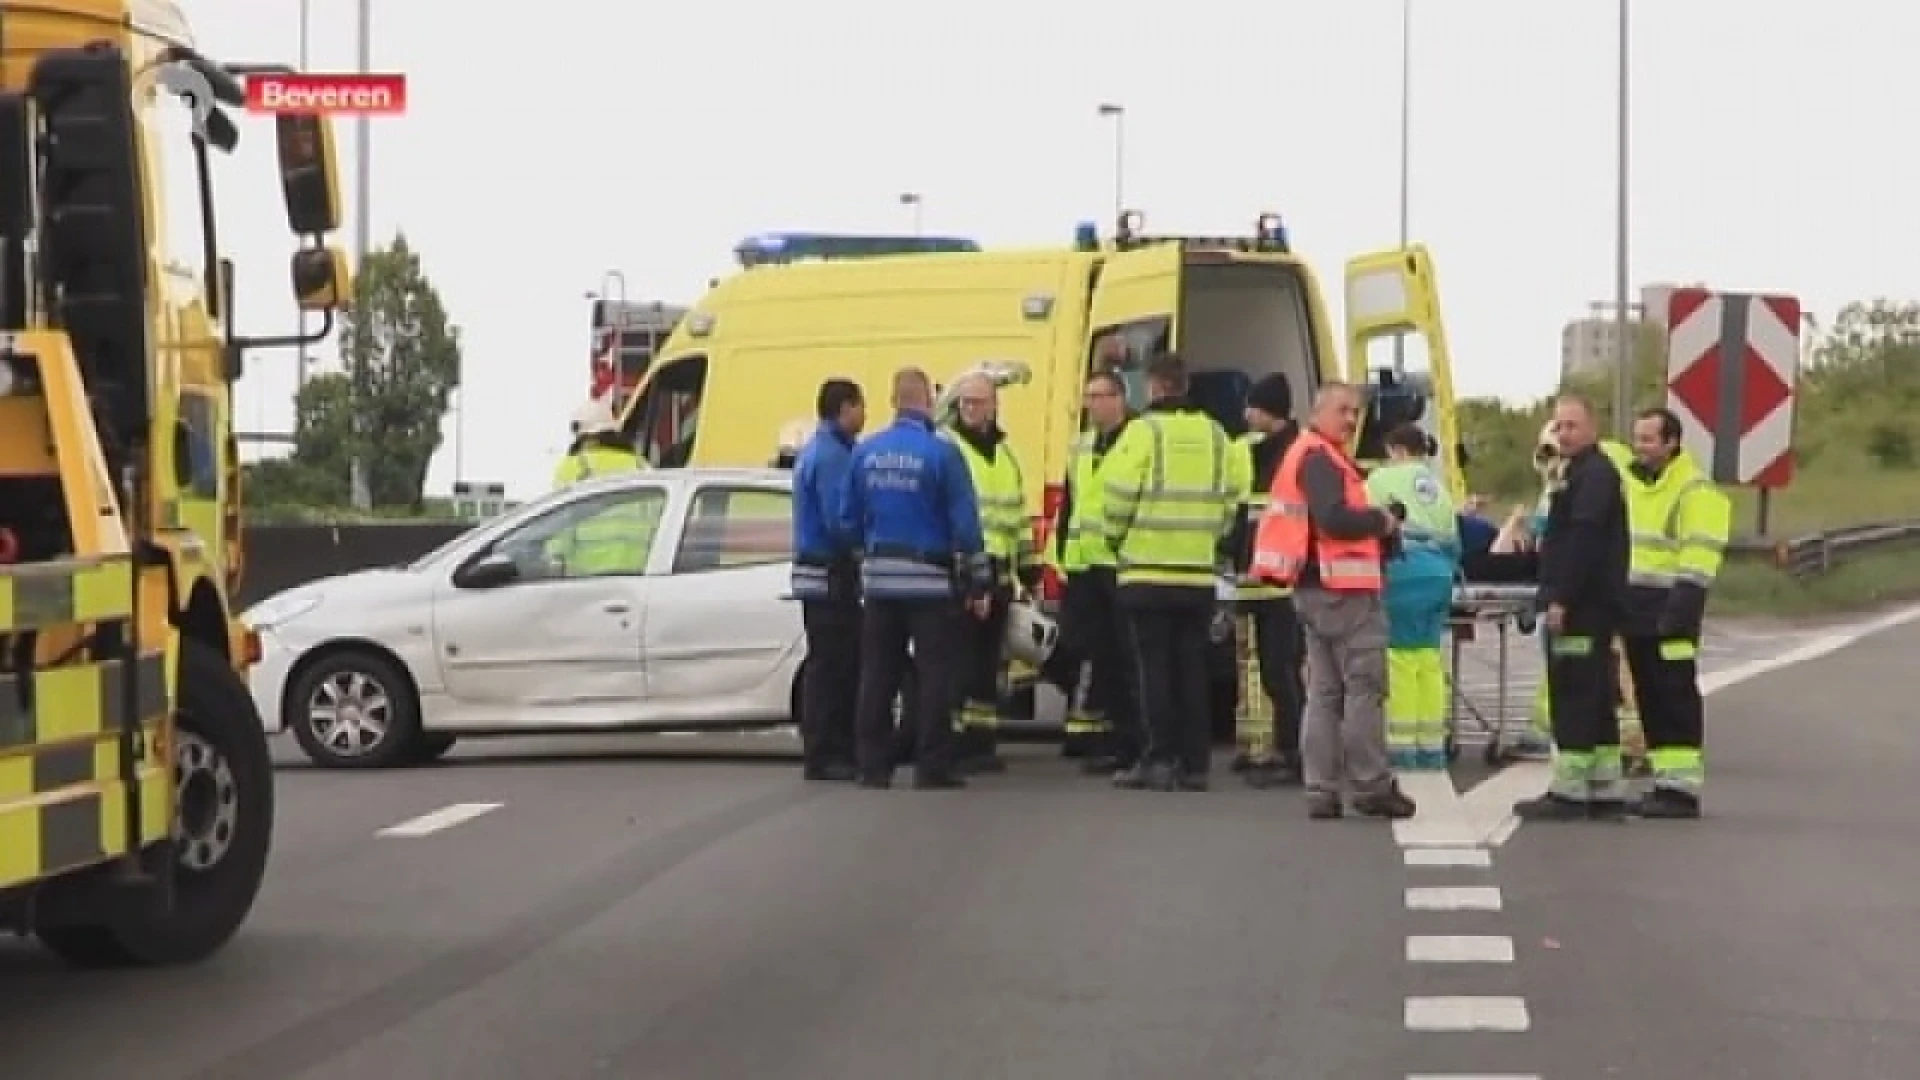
279	610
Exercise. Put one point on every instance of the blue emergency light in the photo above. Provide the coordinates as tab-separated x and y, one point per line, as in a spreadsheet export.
775	248
1273	233
1086	236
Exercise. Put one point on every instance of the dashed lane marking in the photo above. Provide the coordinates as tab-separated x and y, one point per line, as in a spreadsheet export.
1475	1076
1473	858
440	820
1454	898
1505	1014
1459	949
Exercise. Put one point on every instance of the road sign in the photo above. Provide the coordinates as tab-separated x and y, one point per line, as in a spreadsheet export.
1733	361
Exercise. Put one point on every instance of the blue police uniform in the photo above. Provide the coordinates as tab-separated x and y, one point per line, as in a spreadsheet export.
909	504
826	581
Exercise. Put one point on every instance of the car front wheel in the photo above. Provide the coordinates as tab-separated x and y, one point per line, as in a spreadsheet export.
355	709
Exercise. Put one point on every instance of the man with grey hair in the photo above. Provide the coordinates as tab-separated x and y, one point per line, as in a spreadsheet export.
1321	536
909	506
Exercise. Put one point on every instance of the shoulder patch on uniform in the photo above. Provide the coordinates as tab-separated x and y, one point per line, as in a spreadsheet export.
1425	488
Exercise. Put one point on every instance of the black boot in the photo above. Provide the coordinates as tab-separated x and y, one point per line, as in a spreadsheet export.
1551	807
1668	804
1145	777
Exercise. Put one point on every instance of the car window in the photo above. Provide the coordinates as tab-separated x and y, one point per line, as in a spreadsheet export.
605	536
736	526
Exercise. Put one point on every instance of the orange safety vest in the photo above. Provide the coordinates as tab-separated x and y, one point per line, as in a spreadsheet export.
1285	533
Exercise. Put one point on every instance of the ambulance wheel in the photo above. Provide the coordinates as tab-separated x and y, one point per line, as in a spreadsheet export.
223	830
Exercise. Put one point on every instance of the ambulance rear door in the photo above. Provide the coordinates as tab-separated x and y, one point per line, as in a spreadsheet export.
1135	313
1397	349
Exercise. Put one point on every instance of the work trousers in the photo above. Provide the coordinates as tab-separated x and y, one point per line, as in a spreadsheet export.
830	684
1275	654
980	661
1582	691
1666	689
887	629
1092	636
1168	639
1343	740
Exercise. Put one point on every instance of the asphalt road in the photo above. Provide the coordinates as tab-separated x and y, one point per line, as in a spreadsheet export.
648	908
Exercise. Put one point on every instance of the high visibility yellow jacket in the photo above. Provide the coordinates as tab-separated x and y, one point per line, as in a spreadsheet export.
1083	532
1679	521
1170	497
1000	487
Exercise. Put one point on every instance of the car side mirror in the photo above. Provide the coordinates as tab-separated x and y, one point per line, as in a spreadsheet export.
489	571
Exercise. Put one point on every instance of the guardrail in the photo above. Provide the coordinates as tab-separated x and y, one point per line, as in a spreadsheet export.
1817	553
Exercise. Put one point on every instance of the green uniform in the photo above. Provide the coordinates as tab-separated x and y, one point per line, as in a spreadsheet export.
1419	595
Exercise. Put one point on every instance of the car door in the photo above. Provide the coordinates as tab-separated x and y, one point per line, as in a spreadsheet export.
722	637
559	640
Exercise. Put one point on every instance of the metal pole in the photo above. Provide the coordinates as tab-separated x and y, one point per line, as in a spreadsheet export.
1118	114
1406	156
1624	345
362	234
305	365
914	202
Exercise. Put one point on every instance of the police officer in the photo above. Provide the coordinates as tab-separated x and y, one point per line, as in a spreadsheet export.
909	505
1169	502
1103	724
1678	521
1000	487
597	450
826	581
1583	583
1267	630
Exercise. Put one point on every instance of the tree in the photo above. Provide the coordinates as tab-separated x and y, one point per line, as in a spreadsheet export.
401	361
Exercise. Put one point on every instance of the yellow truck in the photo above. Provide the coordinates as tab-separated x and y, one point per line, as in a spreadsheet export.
136	792
746	360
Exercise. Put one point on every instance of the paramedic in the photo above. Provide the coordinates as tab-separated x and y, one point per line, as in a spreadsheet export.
826	581
1320	536
1583	582
598	448
909	508
1000	489
1168	504
1267	630
1419	596
1679	525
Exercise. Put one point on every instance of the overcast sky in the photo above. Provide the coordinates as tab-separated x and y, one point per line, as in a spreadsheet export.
546	145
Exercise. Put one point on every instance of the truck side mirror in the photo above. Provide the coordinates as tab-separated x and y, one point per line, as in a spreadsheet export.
309	178
321	281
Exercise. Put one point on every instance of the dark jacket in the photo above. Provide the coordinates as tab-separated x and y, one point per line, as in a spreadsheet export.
1587	549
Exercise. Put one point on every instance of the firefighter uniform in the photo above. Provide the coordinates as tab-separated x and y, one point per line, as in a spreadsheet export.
1267	641
1169	501
1000	487
1102	724
1583	570
1419	597
1679	524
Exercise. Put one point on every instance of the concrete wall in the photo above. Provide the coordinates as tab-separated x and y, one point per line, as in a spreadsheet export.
282	556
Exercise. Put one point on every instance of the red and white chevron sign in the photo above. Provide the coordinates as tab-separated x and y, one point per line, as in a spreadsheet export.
1733	360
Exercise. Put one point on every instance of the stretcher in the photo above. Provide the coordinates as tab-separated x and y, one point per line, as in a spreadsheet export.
1506	610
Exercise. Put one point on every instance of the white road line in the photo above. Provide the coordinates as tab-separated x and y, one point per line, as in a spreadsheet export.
1454	898
1467	1014
1486	812
1448	856
1475	1076
1440	820
1459	949
440	820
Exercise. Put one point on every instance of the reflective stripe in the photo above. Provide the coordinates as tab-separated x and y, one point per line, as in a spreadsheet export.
810	583
888	578
1167	511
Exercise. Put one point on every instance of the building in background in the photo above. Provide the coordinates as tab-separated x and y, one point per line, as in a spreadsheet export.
626	337
1588	345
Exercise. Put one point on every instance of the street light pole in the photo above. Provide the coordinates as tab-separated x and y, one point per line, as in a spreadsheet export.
1406	156
362	241
1623	322
1118	114
915	203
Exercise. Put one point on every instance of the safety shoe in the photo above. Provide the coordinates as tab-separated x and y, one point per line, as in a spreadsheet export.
1144	777
1391	803
835	772
1324	806
1668	804
1551	807
938	782
1242	762
1192	781
1268	775
876	781
1607	810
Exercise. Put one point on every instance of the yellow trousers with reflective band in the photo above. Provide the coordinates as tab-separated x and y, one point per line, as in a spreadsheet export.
1416	701
1253	721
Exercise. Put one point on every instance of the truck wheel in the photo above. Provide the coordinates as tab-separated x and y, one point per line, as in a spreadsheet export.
354	709
222	830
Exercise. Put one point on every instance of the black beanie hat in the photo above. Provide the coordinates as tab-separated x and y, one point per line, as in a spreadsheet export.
1272	395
